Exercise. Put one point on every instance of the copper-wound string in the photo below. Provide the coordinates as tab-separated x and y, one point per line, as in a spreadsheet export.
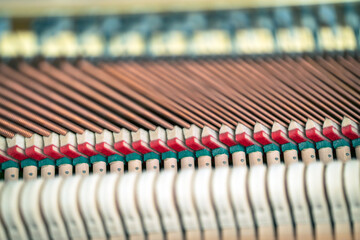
32	117
96	96
206	96
70	94
6	133
137	84
15	127
189	95
42	113
51	100
87	67
44	97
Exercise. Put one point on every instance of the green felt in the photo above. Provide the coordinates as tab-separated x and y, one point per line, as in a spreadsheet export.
341	143
169	154
306	145
253	148
115	157
288	146
63	160
80	160
323	144
185	153
46	161
133	156
98	158
151	155
236	148
28	162
356	142
203	152
219	151
271	147
9	164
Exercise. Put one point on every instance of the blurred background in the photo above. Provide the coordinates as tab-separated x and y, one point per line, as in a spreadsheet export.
175	28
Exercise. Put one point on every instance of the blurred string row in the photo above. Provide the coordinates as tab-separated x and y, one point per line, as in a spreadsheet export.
247	31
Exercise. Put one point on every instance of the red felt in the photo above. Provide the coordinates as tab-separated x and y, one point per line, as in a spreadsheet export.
36	155
297	136
194	144
105	149
123	147
262	137
87	149
141	147
349	132
331	133
159	146
17	153
227	139
279	137
53	152
176	144
3	157
244	139
314	135
210	142
70	151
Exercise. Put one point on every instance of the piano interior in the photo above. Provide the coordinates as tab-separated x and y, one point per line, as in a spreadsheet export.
180	120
